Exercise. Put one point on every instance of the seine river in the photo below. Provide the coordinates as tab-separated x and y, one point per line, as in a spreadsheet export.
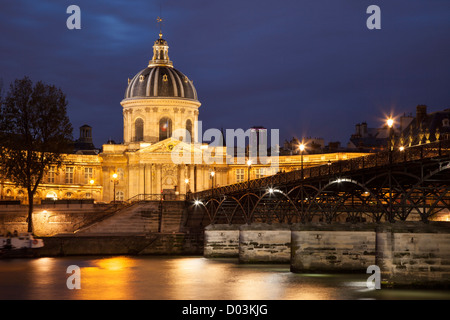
183	278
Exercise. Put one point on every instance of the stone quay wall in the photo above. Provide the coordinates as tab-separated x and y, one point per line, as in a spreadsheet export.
150	244
49	219
408	253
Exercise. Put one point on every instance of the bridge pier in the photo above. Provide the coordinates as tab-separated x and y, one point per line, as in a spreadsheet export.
221	241
332	248
265	243
414	253
408	253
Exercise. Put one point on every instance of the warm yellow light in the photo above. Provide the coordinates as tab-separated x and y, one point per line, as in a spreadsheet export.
390	122
186	180
249	163
114	176
302	147
402	148
212	173
91	181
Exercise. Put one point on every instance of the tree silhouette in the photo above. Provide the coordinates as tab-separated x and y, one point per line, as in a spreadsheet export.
35	132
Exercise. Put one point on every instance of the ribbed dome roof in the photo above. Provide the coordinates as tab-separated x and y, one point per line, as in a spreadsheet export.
160	81
160	78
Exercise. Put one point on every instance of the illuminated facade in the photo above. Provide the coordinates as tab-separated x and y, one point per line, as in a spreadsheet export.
160	102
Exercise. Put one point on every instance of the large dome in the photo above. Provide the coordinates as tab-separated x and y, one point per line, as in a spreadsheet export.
160	79
162	82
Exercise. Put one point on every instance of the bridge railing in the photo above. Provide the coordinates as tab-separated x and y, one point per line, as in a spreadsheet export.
379	159
155	197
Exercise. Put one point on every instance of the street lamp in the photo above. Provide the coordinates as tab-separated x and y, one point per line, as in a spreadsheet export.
249	165
186	181
91	182
302	148
115	181
402	149
212	173
390	124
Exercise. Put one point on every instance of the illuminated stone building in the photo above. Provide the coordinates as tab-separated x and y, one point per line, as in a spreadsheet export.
160	116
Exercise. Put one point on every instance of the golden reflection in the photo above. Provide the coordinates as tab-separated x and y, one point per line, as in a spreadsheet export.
197	278
259	286
43	265
107	279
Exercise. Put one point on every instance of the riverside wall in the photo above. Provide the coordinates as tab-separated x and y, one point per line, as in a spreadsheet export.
49	219
408	253
146	228
149	244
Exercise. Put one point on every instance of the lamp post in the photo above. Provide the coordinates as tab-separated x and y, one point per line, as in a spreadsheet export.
402	149
390	123
115	181
91	182
212	182
302	148
188	191
249	165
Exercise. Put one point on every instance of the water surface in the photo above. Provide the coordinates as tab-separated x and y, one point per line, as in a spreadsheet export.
184	278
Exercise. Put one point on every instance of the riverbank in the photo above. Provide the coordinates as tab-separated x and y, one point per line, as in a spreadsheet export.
125	244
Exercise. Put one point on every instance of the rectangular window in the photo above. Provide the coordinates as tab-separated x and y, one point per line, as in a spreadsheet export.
259	173
69	174
88	175
240	175
51	174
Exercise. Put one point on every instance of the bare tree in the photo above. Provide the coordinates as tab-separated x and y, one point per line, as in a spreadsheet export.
35	132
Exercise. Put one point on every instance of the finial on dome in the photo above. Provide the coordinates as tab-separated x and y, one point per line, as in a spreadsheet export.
159	21
160	50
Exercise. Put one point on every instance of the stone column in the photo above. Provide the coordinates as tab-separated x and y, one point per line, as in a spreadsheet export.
158	179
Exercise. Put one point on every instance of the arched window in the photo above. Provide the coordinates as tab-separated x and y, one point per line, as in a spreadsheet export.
20	195
139	130
165	128
52	195
189	129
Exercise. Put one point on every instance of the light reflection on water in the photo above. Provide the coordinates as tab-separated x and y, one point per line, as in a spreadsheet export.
184	278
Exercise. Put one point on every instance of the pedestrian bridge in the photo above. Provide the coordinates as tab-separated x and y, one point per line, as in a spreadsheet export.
390	185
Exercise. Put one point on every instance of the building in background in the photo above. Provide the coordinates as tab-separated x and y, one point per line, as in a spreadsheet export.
406	131
160	114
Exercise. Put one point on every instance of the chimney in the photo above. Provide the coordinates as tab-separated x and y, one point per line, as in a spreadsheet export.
364	129
358	129
421	114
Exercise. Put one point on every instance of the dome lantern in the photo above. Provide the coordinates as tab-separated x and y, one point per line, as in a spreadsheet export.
160	53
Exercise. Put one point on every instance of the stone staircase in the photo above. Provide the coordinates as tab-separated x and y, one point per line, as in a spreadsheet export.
139	218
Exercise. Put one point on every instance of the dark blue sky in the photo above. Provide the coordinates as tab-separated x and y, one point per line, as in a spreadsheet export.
308	68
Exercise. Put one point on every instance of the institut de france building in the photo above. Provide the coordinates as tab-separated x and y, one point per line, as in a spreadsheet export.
159	101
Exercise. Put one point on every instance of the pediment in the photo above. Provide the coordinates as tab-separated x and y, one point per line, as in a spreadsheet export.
168	145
